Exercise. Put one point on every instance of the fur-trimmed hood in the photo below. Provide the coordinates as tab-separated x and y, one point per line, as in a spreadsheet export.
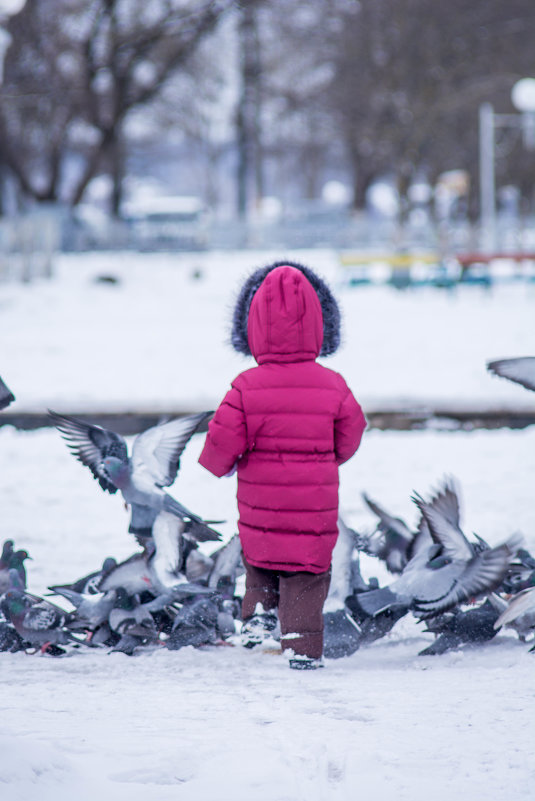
329	309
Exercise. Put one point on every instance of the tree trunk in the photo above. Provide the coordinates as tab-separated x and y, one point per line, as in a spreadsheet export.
248	171
117	162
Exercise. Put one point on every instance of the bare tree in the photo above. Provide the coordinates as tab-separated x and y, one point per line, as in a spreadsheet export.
74	72
410	74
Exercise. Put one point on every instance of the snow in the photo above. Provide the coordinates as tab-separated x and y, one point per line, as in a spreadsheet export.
158	339
224	723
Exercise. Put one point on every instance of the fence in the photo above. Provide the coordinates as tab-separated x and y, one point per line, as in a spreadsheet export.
28	244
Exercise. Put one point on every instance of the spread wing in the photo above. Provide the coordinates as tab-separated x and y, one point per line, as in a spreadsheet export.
387	521
454	544
482	574
521	370
91	444
158	450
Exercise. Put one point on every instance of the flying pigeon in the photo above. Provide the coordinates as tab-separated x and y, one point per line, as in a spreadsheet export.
153	465
521	370
446	569
6	396
390	541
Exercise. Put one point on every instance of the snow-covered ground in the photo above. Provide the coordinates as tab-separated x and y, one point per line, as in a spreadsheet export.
158	338
223	723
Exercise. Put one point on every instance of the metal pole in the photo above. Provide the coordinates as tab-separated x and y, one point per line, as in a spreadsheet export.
487	182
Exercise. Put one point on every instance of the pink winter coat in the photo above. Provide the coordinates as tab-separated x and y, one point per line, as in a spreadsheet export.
287	423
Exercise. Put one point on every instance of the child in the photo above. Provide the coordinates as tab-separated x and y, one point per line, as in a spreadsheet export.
286	425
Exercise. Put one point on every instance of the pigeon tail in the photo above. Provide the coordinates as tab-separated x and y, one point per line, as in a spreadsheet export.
376	601
195	527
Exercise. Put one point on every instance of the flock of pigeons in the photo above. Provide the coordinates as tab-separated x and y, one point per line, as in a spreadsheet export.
171	594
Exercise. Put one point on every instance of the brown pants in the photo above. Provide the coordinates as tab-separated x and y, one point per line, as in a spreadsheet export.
299	597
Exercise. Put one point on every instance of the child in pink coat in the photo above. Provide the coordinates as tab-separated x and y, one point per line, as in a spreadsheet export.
286	425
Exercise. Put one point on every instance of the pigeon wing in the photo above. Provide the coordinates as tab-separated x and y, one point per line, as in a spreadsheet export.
454	544
521	370
523	602
91	444
40	617
387	521
446	501
158	450
482	574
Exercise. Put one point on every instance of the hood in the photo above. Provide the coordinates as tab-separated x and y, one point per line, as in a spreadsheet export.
285	312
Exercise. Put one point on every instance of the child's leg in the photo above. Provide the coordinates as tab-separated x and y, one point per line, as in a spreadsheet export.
302	596
261	587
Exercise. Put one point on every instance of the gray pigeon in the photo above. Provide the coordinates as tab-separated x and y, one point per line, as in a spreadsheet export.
458	627
38	622
342	635
6	396
521	370
390	541
92	609
91	582
444	571
137	575
519	614
153	465
227	566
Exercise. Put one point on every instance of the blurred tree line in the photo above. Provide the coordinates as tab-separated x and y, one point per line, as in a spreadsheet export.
294	89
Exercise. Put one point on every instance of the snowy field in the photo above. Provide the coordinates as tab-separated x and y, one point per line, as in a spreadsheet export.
158	338
222	724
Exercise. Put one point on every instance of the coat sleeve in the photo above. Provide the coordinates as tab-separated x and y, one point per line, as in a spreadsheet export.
348	428
226	440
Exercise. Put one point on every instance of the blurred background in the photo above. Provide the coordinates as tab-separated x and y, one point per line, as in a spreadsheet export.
187	124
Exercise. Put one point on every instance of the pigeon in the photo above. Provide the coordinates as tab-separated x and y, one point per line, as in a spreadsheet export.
195	624
521	370
90	583
10	640
390	541
153	465
6	396
198	567
519	614
137	574
17	563
445	569
92	609
458	627
133	622
39	623
343	633
13	576
7	553
227	565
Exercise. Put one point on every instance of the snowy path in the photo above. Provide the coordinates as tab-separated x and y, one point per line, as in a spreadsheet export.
223	724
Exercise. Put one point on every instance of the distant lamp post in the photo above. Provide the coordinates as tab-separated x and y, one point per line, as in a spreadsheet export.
523	98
